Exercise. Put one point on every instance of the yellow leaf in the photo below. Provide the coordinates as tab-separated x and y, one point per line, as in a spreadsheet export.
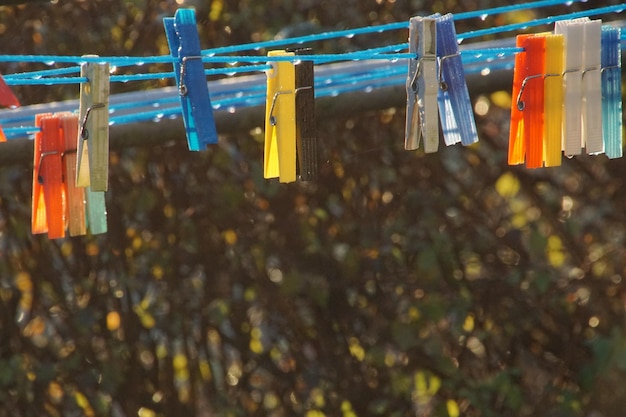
468	325
453	408
507	185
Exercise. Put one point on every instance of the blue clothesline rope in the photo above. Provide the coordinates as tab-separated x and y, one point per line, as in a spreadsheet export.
476	60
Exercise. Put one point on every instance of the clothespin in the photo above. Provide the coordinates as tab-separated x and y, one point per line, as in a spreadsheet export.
592	88
517	144
531	99
48	195
92	164
455	107
422	87
573	36
75	196
184	44
280	120
7	98
611	91
3	138
306	138
553	100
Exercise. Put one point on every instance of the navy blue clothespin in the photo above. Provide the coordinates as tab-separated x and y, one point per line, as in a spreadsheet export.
184	44
421	86
455	107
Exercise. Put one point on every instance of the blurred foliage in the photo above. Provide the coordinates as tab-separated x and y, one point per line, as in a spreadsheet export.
398	284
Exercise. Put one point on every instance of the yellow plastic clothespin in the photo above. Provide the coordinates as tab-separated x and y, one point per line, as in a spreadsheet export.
92	164
422	116
553	100
280	120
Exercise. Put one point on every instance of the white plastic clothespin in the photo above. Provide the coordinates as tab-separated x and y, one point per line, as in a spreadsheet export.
92	164
592	88
422	87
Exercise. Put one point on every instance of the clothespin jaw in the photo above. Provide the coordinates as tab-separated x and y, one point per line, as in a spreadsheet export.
553	100
611	91
306	137
280	120
48	193
184	44
592	88
573	35
92	164
421	86
455	107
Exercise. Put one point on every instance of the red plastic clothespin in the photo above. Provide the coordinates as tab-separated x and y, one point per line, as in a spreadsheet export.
7	98
48	209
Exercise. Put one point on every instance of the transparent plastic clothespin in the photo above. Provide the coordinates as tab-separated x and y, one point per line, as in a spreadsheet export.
422	87
573	35
455	108
612	91
592	88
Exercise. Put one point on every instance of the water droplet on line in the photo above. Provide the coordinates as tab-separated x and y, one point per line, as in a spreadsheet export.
349	36
50	63
232	109
369	89
483	16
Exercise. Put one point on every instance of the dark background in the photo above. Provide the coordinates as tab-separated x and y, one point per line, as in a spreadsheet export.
398	284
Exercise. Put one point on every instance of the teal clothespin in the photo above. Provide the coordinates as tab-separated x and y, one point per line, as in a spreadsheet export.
611	91
184	44
455	107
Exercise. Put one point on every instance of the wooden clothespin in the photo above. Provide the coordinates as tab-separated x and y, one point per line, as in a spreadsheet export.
306	136
92	164
280	120
553	100
48	209
85	207
611	91
592	88
455	108
422	87
75	196
184	44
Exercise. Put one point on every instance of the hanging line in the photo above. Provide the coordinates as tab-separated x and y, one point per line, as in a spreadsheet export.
166	59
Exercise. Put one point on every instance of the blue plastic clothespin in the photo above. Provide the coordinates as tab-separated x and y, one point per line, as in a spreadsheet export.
184	44
455	107
611	91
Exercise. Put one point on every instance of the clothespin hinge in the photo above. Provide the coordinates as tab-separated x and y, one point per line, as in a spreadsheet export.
182	89
275	98
84	133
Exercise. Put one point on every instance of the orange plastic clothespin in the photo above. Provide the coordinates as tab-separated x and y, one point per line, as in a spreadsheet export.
517	147
531	99
48	193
